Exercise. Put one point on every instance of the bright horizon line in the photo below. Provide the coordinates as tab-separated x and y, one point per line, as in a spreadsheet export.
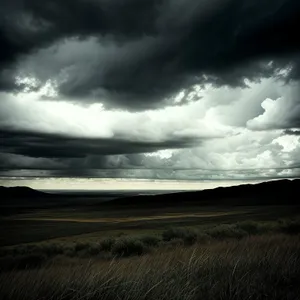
98	184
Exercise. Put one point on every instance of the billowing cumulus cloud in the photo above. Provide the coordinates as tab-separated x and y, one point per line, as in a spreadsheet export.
211	138
150	89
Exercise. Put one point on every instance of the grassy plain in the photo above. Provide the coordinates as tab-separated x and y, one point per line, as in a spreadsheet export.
188	252
83	222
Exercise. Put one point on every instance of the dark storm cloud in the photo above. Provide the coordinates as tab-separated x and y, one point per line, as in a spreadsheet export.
27	150
54	146
28	25
79	157
160	46
35	154
292	132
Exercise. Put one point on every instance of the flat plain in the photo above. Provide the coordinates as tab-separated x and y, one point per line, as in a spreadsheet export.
77	248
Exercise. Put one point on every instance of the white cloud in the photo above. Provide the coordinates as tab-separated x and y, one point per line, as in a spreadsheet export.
26	111
282	111
236	133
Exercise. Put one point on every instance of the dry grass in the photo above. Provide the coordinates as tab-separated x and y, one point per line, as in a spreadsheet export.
15	231
255	267
140	244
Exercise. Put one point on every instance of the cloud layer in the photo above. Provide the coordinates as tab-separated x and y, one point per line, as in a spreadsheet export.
235	136
150	89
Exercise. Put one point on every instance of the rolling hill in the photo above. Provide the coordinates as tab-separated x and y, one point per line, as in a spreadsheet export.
272	192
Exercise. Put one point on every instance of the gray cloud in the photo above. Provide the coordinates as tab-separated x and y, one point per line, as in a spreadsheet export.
242	156
292	132
55	146
77	156
281	112
145	51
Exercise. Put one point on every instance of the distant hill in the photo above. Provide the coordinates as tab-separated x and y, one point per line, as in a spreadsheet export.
20	198
272	192
15	199
277	192
21	191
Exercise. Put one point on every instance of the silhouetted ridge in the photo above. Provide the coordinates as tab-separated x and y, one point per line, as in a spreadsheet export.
272	192
20	191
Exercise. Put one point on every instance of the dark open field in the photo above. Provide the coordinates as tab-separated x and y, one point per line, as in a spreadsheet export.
86	223
82	249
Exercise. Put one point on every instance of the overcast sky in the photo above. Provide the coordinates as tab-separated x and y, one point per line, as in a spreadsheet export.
156	89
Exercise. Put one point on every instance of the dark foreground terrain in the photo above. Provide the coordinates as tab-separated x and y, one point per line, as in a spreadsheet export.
227	243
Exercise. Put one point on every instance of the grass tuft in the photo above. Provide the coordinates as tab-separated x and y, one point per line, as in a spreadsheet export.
125	247
256	267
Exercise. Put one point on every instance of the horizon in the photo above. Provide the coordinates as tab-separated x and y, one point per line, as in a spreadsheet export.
105	184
